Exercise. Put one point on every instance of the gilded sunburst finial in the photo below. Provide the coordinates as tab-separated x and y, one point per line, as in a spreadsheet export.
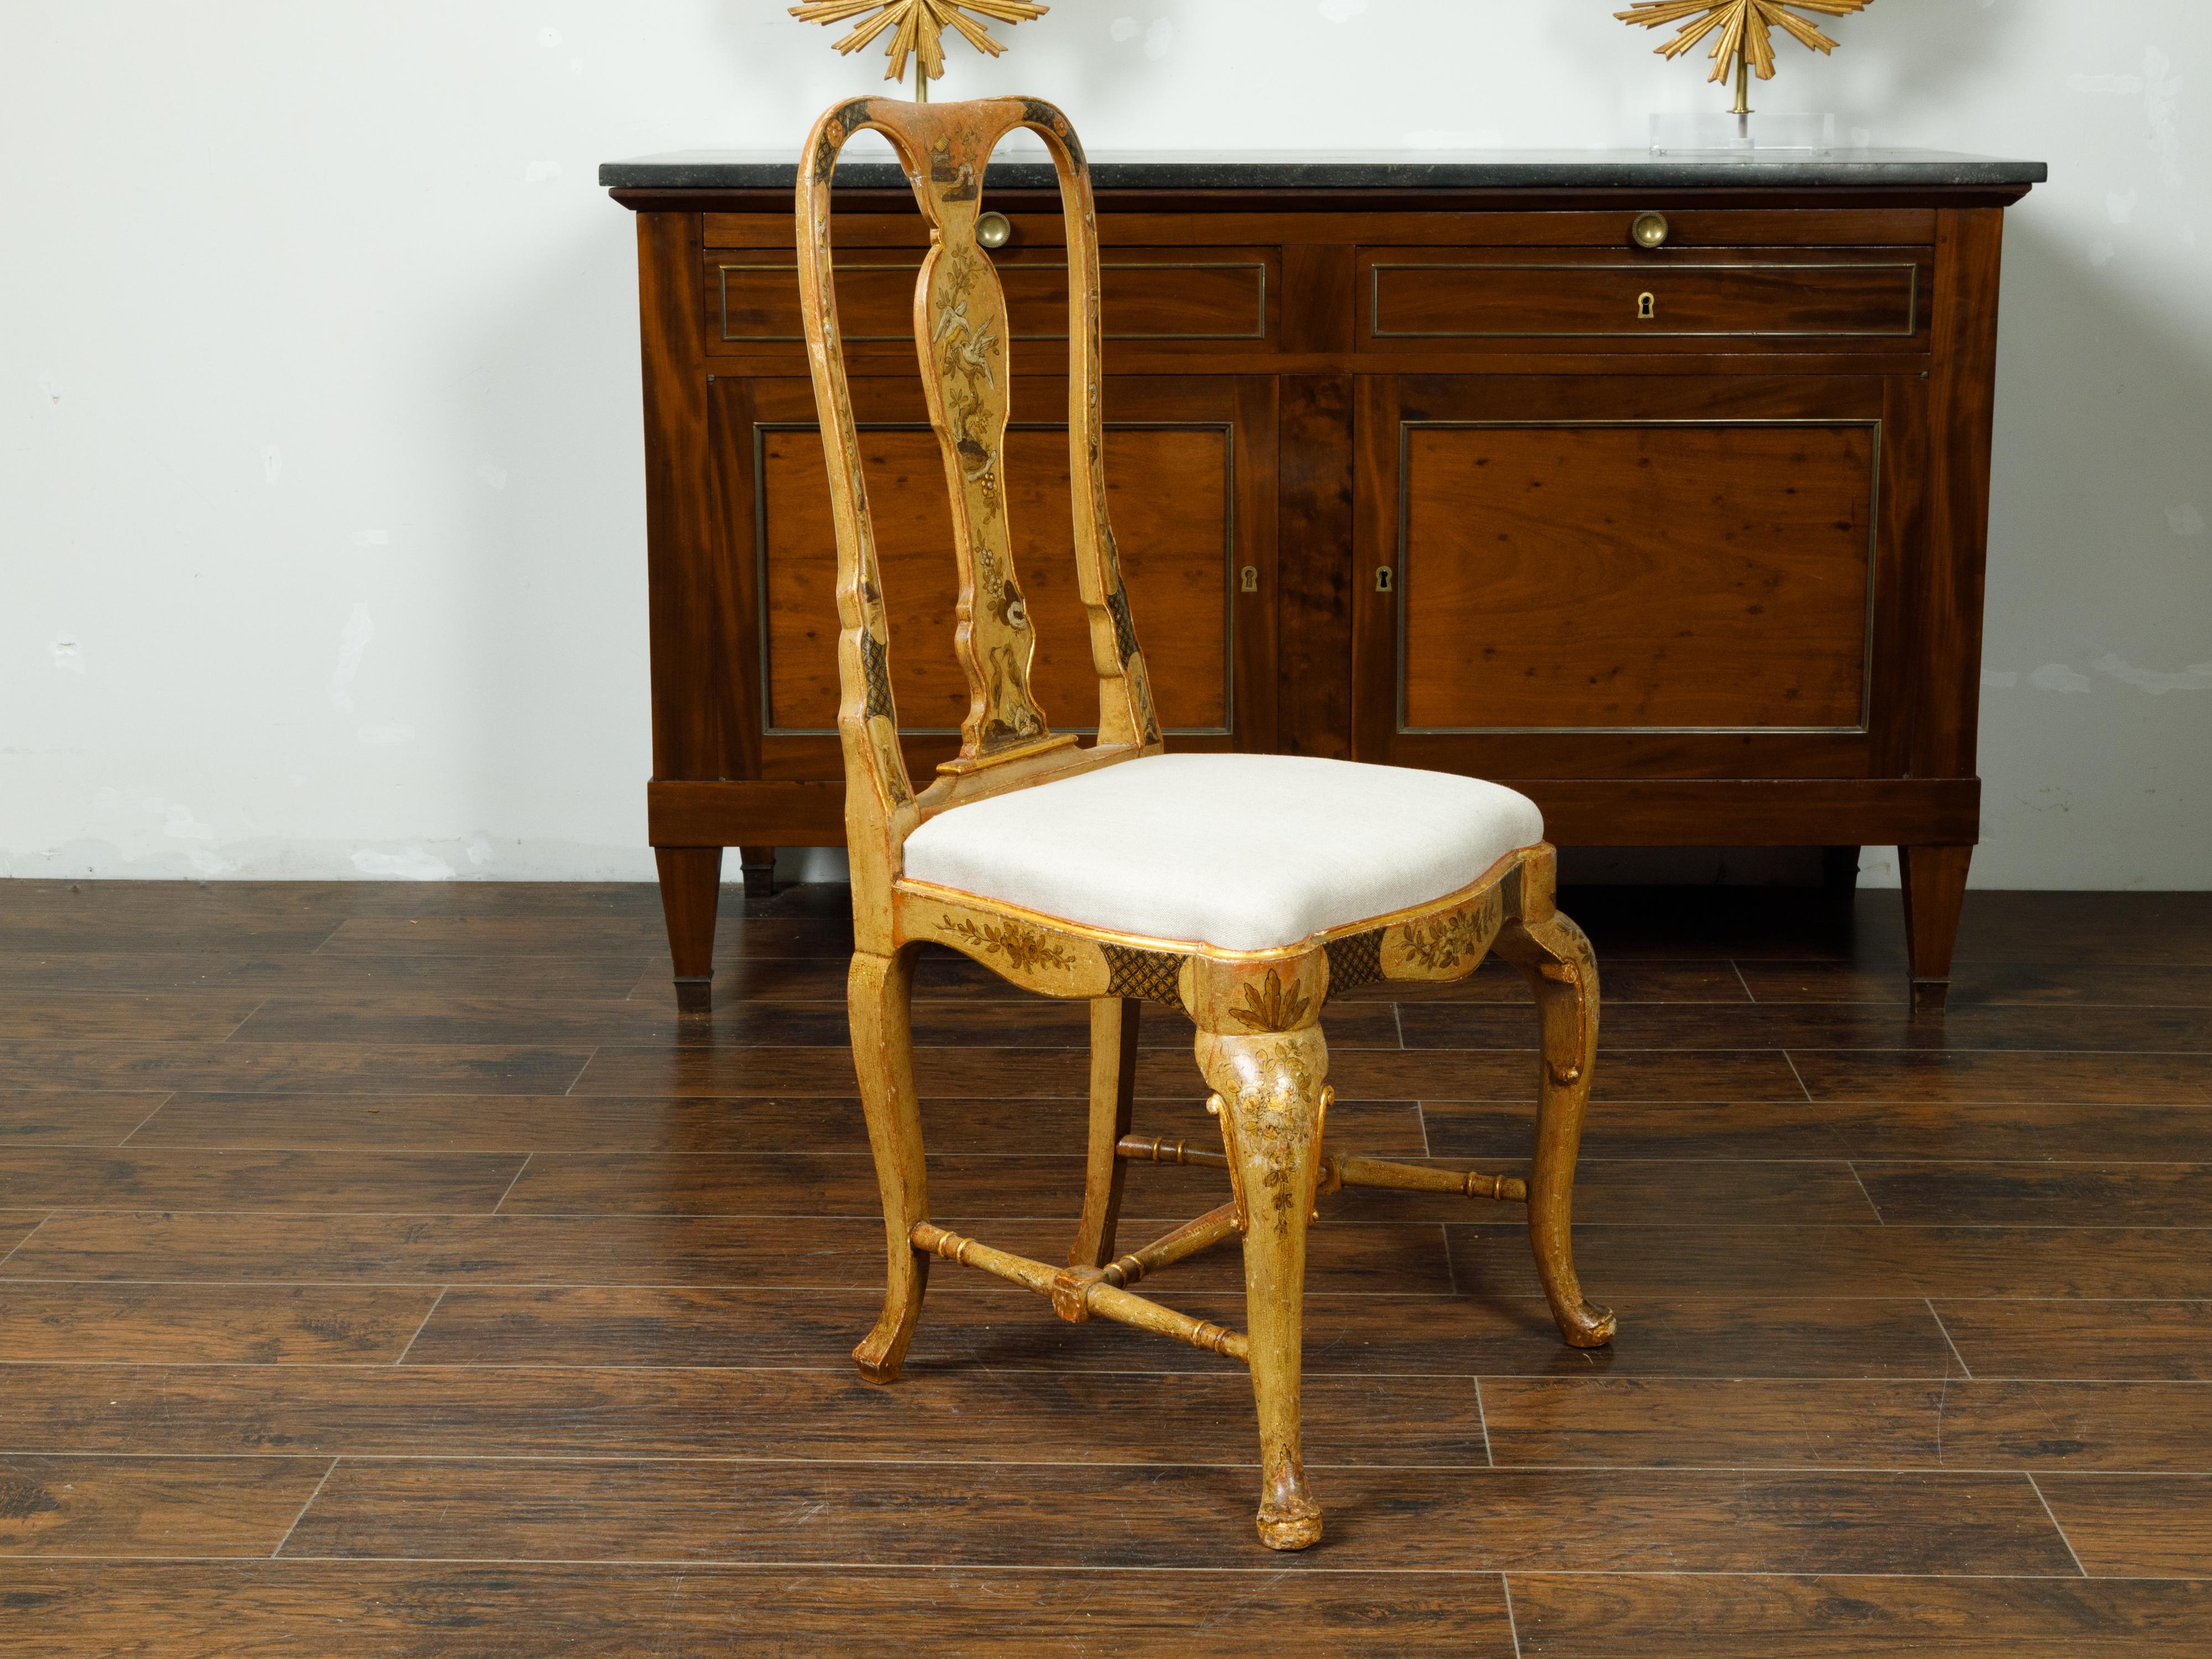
918	28
1745	30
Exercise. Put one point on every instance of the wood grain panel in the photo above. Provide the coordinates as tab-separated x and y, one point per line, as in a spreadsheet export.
513	1610
1838	1025
1006	1016
1625	1264
188	1015
1482	1520
1008	1184
151	1506
1169	490
2024	1194
132	1067
1692	297
2135	1526
822	1414
568	1123
1630	576
1989	984
1830	1423
260	1325
72	1120
197	1179
1998	1077
1373	1073
2058	1132
1679	1616
1369	1335
844	1252
2161	1341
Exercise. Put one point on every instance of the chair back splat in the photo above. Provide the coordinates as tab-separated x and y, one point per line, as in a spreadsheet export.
960	331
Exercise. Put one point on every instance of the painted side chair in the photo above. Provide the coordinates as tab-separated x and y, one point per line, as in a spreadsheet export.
1243	888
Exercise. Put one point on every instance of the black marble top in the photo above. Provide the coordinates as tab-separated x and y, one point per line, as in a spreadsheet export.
1396	169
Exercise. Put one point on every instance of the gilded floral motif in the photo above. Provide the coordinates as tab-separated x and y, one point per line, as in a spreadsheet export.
1023	948
1271	1006
1442	942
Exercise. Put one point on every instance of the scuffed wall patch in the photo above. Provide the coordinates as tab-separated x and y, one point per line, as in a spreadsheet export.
2058	676
2161	92
412	864
2197	677
360	628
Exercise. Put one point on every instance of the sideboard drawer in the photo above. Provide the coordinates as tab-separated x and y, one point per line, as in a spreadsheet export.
1859	299
1213	295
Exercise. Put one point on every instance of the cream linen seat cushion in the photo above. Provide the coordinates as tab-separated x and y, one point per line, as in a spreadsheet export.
1240	852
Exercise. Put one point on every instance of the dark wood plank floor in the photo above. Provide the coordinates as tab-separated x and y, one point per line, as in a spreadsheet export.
387	1269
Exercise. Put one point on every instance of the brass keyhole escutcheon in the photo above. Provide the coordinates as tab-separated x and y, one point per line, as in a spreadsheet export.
994	230
1647	306
1648	230
1249	578
1382	579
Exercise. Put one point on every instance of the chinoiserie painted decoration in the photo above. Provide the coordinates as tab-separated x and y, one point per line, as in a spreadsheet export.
1744	33
917	29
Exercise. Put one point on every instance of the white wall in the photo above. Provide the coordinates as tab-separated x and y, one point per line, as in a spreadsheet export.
320	507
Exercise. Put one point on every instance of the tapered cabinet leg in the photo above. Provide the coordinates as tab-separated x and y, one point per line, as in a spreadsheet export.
1113	1086
1269	1084
1556	960
690	888
878	996
1935	882
758	866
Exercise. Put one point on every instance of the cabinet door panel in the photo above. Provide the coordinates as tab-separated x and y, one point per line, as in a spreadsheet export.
1586	577
1187	466
1636	576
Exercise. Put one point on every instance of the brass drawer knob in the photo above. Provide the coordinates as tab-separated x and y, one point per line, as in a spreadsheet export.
995	230
1650	230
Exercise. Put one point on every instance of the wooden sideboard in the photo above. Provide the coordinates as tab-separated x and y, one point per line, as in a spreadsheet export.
1657	488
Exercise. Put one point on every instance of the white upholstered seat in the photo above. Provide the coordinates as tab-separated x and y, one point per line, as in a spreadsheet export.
1240	852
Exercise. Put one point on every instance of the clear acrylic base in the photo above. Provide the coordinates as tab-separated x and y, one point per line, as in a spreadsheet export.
1724	134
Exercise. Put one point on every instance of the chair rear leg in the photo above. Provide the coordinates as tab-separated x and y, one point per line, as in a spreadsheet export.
878	997
1557	961
1113	1087
1268	1077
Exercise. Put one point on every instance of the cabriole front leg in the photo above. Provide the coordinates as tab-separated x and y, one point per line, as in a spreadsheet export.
879	995
1261	1050
1556	960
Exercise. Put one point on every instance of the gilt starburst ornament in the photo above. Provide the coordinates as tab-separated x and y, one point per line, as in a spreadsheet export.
917	29
1745	28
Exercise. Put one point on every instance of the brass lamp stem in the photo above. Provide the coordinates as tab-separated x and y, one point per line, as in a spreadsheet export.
1742	84
920	80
